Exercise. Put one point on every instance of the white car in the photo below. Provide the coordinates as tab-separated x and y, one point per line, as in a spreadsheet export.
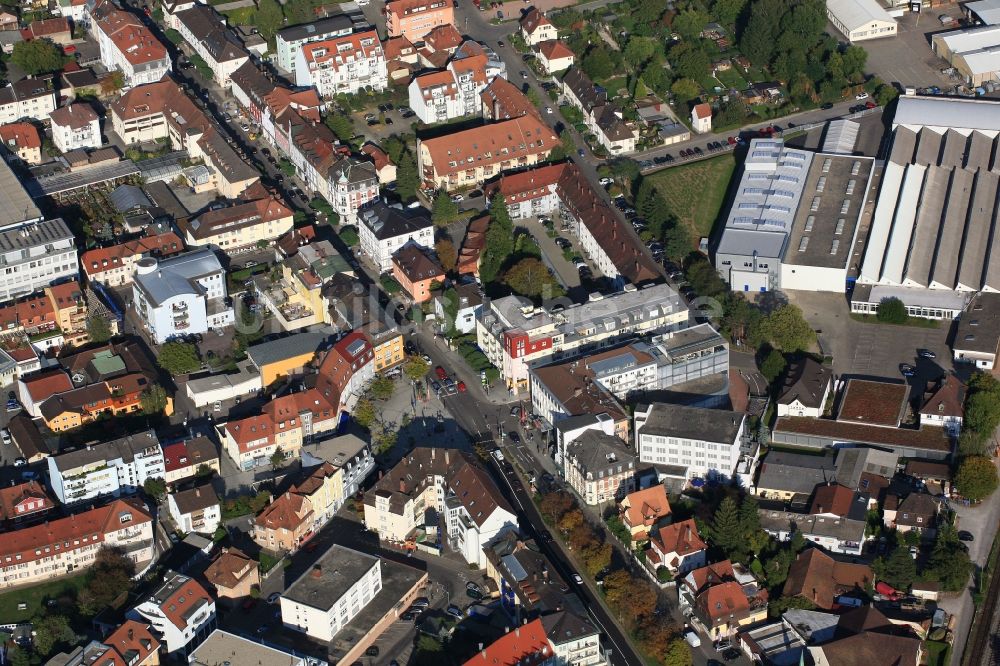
692	638
5	436
457	198
861	96
606	181
217	407
548	109
577	579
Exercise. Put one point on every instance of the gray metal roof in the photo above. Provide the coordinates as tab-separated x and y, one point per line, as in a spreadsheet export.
123	448
127	197
283	348
15	203
920	111
334	25
178	275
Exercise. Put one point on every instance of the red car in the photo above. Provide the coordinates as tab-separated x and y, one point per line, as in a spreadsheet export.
441	374
870	104
461	387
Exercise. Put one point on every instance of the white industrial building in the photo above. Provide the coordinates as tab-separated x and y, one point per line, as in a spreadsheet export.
795	217
974	52
181	295
985	12
933	242
328	595
859	20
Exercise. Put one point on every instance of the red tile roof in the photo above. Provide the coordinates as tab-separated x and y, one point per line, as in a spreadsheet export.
443	38
102	259
947	400
133	642
681	538
377	155
45	28
832	498
554	49
505	141
132	38
532	19
182	601
720	601
251	429
332	54
712	574
21	135
506	100
526	645
24	499
819	578
647	506
703	110
76	116
289	511
443	80
48	383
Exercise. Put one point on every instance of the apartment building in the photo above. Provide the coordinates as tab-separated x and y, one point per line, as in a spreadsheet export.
330	594
708	442
514	334
21	141
206	32
65	546
240	226
600	467
113	468
115	265
128	46
181	612
181	295
343	64
384	229
195	510
157	111
28	98
289	41
187	458
352	184
75	126
232	575
562	638
452	484
413	19
470	157
71	312
34	256
435	98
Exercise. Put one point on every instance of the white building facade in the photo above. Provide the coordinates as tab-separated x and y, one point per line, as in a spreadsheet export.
706	441
111	468
75	126
343	65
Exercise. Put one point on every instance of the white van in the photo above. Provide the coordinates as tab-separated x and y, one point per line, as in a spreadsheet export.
692	638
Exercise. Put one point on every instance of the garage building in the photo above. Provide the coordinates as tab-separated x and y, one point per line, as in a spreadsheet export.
975	52
859	20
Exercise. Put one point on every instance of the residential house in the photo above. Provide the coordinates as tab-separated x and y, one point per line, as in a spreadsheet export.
450	484
603	235
156	111
416	271
352	184
285	357
724	600
64	546
513	333
806	389
348	453
324	488
701	118
187	459
21	141
384	229
536	28
834	533
115	265
36	388
385	170
866	636
56	30
289	41
944	405
460	315
527	582
247	223
413	19
28	98
195	510
599	467
128	46
70	310
181	613
554	56
470	157
9	21
285	524
708	442
232	576
502	100
343	64
24	503
181	295
205	31
916	511
602	116
402	59
642	510
117	467
331	593
678	547
74	127
573	639
134	644
820	579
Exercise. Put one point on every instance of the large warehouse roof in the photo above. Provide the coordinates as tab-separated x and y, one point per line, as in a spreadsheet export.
855	14
988	11
970	39
982	61
15	203
948	112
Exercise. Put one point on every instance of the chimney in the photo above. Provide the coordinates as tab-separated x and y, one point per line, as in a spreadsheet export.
130	634
317	571
402	486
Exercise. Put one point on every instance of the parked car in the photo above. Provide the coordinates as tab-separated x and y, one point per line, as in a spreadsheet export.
827	106
273	597
692	638
965	535
457	198
372	651
440	372
461	387
5	436
606	181
20	462
861	95
421	603
455	611
906	370
577	579
514	437
475	194
926	353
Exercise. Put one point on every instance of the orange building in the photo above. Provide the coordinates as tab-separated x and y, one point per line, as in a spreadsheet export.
415	18
416	271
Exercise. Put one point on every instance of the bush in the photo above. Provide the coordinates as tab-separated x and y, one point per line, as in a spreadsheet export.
663	574
976	478
891	310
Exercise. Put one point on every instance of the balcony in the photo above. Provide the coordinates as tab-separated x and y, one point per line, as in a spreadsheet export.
179	307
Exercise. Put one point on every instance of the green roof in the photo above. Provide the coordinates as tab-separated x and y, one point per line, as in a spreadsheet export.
327	267
108	363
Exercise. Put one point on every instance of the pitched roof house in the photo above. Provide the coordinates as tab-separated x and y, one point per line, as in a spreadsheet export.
643	509
816	576
678	547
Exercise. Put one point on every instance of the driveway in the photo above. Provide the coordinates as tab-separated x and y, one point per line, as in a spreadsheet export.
552	254
907	59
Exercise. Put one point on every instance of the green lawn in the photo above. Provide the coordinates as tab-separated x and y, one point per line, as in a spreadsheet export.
35	597
695	192
731	79
938	653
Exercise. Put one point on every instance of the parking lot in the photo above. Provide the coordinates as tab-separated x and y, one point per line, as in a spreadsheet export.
907	58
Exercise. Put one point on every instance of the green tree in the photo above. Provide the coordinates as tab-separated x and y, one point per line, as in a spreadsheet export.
773	365
685	89
777	607
98	329
982	406
153	400
18	656
110	578
499	240
900	570
597	63
277	459
341	126
690	23
415	368
530	277
444	211
676	242
690	61
381	388
727	11
754	537
891	310
407	178
855	58
178	358
678	653
156	488
38	56
364	413
640	50
269	18
726	530
646	14
949	562
787	329
394	147
51	632
759	37
976	478
446	254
